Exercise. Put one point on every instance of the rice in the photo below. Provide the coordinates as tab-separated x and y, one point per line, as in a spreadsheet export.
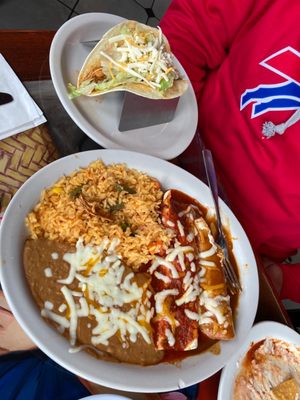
100	201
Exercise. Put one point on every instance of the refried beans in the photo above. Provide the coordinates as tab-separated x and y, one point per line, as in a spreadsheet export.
38	257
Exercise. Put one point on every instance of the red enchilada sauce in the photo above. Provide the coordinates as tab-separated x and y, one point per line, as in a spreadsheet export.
173	332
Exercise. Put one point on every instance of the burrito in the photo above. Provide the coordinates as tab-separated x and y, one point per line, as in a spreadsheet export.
133	57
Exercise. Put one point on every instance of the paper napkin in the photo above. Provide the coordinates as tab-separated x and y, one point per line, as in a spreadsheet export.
20	114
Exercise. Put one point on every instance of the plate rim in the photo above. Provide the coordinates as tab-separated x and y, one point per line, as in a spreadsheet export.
55	53
92	155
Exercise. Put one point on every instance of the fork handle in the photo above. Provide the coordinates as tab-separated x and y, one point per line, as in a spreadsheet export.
212	181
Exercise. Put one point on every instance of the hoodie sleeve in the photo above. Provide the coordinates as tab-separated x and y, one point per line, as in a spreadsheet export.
201	33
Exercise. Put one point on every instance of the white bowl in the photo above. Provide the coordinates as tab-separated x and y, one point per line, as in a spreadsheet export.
133	378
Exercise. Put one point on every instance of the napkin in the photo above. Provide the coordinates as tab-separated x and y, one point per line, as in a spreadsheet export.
20	114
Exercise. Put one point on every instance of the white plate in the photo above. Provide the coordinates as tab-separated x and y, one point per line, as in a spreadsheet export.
164	377
105	397
99	116
258	332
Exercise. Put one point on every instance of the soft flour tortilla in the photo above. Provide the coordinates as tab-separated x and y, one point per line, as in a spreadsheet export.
91	68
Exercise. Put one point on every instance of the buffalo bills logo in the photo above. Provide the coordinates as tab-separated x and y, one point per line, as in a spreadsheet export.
280	96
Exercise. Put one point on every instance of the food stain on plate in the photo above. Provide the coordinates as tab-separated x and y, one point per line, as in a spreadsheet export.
269	370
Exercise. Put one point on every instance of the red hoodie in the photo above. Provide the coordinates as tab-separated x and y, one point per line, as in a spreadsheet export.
243	59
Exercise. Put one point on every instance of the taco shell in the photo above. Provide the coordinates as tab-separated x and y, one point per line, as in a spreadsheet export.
131	57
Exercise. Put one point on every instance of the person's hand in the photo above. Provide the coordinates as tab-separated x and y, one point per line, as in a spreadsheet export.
12	337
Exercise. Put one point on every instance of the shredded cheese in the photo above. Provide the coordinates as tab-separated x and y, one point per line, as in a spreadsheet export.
170	337
61	321
73	313
160	298
161	261
162	277
105	289
129	70
207	263
54	256
180	228
48	305
176	251
208	253
48	272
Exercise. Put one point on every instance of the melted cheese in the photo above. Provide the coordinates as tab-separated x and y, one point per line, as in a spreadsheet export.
48	272
84	310
73	314
192	345
62	308
61	321
104	291
190	237
191	315
170	223
162	277
76	294
173	253
214	305
207	263
161	261
80	258
179	251
190	256
208	253
109	290
187	280
180	228
48	305
160	298
191	293
54	256
170	337
116	320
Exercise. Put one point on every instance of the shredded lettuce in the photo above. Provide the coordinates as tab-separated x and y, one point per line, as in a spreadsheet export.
165	85
125	30
149	37
120	78
74	92
88	87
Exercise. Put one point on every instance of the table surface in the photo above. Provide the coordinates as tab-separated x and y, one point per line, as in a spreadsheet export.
27	52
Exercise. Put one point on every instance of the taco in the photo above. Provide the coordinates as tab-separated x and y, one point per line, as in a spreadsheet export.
134	57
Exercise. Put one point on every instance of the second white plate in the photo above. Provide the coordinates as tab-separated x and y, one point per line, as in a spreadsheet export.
99	116
258	332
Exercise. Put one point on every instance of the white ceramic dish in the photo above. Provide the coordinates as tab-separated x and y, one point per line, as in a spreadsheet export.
99	116
159	378
258	332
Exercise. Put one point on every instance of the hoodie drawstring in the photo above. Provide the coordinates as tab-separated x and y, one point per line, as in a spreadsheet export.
269	129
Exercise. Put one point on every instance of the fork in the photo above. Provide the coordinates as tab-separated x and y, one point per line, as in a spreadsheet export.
234	285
